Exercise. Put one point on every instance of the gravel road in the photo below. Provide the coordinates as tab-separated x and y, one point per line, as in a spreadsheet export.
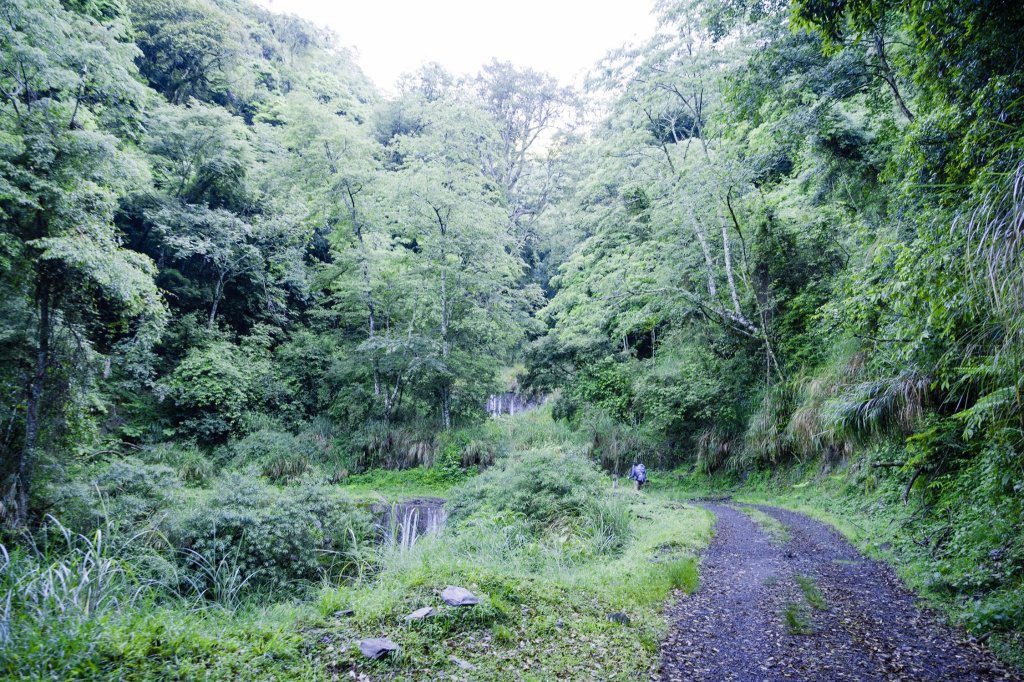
735	627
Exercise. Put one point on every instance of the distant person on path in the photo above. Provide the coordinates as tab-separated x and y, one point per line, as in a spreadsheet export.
638	474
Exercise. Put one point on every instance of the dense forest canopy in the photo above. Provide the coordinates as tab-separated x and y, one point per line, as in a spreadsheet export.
771	234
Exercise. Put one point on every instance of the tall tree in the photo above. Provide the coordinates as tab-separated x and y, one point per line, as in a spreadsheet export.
455	221
65	80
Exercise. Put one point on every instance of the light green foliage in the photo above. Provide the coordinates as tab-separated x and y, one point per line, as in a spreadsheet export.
544	605
542	487
796	619
280	456
54	605
775	528
811	592
213	387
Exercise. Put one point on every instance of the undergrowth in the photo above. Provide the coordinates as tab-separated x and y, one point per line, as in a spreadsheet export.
239	577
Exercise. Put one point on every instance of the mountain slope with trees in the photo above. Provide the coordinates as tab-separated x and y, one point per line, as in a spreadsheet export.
774	246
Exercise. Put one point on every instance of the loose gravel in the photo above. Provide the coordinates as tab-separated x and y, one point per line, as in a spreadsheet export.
735	626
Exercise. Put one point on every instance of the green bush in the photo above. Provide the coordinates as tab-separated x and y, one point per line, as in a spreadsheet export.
274	536
193	465
544	487
127	492
212	388
278	455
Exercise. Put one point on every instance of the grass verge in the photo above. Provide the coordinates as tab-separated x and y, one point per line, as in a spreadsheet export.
776	530
544	611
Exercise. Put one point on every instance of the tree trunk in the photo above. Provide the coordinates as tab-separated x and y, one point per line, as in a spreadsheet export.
728	269
702	239
446	407
446	393
890	78
218	291
364	271
35	397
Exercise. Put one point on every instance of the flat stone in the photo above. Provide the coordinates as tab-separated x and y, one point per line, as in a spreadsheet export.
420	614
465	665
344	613
377	647
618	617
459	596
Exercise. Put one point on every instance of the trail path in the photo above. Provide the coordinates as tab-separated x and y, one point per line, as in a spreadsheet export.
734	628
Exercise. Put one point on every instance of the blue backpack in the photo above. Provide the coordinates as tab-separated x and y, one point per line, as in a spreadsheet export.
640	472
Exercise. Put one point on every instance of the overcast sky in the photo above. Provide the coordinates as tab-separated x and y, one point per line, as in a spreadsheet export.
562	37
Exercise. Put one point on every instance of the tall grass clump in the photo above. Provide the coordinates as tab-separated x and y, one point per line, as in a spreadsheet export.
880	407
54	601
714	450
535	430
765	440
390	445
613	444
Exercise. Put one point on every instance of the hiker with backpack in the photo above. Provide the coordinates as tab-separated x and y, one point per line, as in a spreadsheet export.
638	474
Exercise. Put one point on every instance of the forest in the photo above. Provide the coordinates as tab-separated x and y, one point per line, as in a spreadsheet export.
248	300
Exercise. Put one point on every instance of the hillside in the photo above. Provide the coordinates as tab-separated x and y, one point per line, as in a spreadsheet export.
248	302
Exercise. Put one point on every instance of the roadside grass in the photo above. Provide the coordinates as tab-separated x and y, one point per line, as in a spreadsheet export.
544	608
796	619
812	594
776	530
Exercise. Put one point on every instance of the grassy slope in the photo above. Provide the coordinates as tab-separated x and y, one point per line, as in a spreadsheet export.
543	614
539	619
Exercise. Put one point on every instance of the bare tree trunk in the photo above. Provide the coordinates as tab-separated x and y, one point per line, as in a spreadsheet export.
35	397
218	291
728	268
702	239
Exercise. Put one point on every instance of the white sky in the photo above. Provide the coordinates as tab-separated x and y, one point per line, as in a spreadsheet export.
562	37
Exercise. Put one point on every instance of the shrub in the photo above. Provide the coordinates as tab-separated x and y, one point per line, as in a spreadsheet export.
274	536
192	465
278	455
544	487
613	443
128	492
212	388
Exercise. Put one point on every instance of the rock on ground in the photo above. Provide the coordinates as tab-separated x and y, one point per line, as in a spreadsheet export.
420	614
459	596
377	647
